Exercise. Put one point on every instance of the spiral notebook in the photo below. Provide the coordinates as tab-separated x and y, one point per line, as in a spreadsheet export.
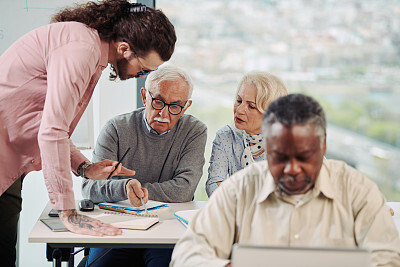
128	221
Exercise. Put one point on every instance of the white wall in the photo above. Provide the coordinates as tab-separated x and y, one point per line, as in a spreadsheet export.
110	98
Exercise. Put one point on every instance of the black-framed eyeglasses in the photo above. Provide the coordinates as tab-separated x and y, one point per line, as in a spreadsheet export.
158	104
143	71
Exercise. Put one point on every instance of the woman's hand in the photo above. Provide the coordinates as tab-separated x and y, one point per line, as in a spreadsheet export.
85	225
101	170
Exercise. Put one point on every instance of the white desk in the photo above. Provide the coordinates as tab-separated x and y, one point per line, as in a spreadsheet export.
162	235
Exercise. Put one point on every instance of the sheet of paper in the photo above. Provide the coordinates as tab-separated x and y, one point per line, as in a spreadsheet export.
185	215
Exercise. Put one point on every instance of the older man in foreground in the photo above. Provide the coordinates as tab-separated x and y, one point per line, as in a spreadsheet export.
300	200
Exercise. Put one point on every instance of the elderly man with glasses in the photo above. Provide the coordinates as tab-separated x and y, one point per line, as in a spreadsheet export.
166	151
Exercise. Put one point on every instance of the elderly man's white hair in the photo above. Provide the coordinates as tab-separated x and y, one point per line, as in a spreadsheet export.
168	73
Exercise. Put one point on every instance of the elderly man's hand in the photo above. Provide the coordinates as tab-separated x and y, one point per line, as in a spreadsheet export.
101	170
135	192
85	225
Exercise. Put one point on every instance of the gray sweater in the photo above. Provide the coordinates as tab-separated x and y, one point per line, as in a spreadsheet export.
169	166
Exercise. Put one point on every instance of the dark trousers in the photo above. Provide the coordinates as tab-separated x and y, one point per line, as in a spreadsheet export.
121	257
10	208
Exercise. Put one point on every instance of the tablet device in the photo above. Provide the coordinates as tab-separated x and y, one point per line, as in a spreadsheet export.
55	224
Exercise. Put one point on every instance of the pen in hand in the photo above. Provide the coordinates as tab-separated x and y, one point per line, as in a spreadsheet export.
144	205
119	162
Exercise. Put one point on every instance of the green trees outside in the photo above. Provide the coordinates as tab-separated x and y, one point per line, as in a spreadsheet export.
366	117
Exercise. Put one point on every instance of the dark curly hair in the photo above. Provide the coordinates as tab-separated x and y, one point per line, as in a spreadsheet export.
295	109
144	30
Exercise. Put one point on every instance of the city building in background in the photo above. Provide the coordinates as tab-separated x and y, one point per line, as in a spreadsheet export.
345	53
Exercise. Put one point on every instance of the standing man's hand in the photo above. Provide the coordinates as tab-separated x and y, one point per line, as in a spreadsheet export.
135	192
101	170
85	225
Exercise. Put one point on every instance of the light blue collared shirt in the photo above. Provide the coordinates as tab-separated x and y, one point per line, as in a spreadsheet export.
227	150
151	130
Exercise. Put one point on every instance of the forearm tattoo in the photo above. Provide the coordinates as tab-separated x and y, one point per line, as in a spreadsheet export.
78	220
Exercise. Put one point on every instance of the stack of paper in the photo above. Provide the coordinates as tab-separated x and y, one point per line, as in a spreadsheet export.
125	206
184	216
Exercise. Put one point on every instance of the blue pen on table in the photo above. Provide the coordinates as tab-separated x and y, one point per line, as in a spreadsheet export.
119	162
144	205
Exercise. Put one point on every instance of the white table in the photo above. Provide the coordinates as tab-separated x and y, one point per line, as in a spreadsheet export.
162	235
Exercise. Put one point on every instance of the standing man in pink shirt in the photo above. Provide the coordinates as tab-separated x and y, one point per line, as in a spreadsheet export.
47	78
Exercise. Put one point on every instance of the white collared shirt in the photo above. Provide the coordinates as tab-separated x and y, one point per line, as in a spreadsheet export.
344	209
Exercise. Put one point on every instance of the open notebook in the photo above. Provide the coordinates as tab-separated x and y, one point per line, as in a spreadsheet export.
128	221
126	207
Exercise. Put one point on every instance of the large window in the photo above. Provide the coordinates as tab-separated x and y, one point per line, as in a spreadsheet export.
345	53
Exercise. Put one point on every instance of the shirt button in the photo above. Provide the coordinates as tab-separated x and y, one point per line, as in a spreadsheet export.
296	236
33	161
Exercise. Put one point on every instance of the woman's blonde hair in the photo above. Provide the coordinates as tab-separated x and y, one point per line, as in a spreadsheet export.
269	87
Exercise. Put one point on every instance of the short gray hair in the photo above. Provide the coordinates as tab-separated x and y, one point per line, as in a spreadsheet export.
168	73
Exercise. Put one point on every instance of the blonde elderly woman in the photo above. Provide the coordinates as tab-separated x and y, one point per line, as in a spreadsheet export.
236	147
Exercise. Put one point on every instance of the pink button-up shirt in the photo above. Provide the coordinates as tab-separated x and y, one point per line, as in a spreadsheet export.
47	78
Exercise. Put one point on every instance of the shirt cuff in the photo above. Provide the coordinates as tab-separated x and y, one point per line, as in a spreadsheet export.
63	202
76	158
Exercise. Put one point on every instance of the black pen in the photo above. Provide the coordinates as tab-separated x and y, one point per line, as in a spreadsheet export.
119	162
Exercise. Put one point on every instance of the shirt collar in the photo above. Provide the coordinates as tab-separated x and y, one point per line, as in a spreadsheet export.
323	185
151	130
267	188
